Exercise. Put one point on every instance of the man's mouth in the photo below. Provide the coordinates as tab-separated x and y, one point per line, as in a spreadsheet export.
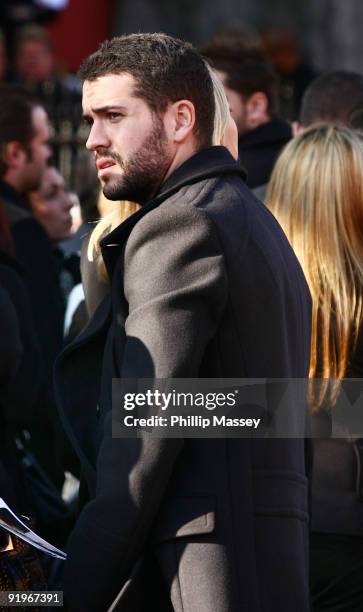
104	163
103	167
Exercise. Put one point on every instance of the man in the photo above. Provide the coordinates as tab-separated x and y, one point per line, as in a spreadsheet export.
331	98
24	136
35	68
203	284
251	87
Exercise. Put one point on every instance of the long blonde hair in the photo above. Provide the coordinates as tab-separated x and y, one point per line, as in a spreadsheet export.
125	209
121	211
316	194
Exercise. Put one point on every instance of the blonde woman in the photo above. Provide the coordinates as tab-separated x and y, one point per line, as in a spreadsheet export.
316	193
94	275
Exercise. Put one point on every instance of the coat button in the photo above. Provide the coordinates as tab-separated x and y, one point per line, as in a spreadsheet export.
98	409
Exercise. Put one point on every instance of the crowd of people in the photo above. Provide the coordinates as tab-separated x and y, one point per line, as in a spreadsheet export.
186	274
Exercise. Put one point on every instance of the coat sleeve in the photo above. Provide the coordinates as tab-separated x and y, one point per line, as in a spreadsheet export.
176	286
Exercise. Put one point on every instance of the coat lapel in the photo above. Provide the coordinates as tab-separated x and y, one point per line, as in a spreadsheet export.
112	244
214	161
76	398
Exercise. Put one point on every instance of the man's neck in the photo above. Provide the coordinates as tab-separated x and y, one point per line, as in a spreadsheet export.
11	180
255	126
181	156
10	194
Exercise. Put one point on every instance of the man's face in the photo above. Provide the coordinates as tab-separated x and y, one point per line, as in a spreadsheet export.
39	151
237	105
52	204
132	152
34	61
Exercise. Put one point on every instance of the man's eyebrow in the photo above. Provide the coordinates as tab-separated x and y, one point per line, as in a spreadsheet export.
105	109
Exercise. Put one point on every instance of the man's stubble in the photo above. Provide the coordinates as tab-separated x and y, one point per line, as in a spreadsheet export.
144	172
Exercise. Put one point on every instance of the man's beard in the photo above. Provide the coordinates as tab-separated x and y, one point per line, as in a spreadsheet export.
144	172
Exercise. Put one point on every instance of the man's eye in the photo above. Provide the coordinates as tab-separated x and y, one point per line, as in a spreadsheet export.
88	121
114	116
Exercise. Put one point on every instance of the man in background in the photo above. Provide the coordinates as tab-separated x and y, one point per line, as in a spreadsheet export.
24	136
251	87
332	98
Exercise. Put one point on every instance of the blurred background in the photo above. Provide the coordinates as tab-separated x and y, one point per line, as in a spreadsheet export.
43	42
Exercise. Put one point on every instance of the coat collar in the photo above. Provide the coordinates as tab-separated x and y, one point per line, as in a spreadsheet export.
208	163
10	195
215	161
273	132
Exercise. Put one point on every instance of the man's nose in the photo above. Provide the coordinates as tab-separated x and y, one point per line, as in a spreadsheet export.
97	138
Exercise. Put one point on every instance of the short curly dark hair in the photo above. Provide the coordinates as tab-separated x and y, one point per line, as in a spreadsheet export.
165	69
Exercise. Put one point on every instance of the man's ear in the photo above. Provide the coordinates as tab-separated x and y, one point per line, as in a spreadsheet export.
297	128
15	155
257	109
179	121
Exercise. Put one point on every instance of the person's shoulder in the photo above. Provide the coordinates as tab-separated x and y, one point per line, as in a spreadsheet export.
225	195
198	207
11	279
31	241
199	197
171	229
27	225
171	216
8	260
15	214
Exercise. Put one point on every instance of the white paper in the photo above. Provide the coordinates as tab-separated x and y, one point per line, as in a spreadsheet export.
12	524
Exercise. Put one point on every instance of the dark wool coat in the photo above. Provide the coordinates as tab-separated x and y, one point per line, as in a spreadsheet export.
25	388
34	253
203	283
10	356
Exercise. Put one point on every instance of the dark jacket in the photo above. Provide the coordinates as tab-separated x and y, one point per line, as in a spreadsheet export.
21	387
35	254
23	394
204	284
11	351
258	150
